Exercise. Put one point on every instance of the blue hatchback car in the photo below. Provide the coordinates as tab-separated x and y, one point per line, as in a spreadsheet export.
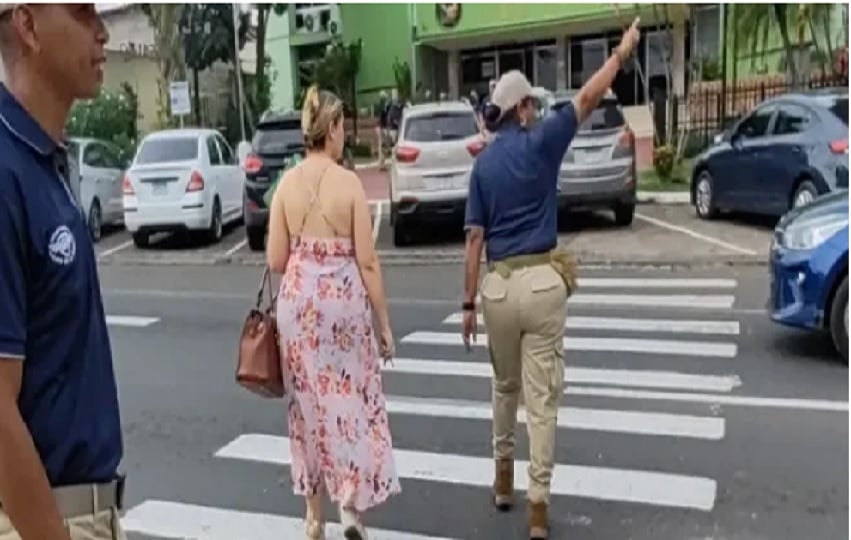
809	268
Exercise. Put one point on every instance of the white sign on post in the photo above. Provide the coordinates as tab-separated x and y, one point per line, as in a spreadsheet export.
181	105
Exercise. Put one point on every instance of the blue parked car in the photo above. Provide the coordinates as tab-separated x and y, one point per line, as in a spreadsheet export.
786	152
809	268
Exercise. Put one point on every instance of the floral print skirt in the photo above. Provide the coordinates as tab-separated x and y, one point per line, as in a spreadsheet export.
338	426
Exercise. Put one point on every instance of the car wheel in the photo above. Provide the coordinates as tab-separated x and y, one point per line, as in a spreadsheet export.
804	195
704	196
95	221
141	240
624	214
401	234
839	319
256	238
216	225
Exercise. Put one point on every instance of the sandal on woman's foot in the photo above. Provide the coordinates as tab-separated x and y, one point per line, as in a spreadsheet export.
352	527
314	530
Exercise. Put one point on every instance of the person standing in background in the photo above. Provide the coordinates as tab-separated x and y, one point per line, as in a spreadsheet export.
512	208
60	429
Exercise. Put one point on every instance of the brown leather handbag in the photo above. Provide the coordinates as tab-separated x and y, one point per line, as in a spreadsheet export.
259	366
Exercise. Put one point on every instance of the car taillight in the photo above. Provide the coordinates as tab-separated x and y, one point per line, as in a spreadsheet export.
627	138
839	147
253	164
128	187
406	154
476	147
196	182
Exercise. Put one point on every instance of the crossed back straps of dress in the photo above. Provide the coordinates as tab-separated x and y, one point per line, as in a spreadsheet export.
314	200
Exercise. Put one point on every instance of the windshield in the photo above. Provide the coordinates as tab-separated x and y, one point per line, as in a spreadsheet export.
446	126
278	137
168	150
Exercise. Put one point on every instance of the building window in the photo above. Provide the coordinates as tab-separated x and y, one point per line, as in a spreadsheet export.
706	32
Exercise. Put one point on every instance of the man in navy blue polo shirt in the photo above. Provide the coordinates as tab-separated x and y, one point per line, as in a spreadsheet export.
512	207
60	433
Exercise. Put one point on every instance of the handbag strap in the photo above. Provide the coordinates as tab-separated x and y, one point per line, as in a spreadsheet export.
266	282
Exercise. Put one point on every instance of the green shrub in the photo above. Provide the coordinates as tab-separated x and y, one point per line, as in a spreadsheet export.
663	161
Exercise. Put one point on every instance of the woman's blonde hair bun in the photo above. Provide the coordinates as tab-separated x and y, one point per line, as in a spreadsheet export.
320	111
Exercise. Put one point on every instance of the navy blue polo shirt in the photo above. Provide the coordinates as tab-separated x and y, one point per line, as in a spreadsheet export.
51	311
514	186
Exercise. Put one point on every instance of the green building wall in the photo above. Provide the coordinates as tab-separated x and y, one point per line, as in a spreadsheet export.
385	31
485	18
279	50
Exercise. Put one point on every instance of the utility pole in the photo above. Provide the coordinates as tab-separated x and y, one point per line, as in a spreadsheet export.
238	71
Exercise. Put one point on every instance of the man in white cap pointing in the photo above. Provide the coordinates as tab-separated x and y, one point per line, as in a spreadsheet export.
60	431
512	207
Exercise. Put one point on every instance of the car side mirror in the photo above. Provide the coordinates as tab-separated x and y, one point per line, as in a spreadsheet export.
242	151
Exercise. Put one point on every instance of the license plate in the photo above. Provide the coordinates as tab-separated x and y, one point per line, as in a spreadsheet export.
589	156
441	182
160	188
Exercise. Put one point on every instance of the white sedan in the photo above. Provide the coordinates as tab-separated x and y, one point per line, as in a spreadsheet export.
182	180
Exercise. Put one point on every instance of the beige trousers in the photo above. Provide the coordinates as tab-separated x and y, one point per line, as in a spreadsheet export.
525	316
105	525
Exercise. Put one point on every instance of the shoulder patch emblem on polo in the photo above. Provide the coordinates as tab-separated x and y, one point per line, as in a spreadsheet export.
62	247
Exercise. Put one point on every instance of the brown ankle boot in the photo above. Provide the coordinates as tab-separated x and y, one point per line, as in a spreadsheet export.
503	484
539	528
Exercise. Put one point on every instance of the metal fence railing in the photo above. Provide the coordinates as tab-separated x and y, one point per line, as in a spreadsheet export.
710	107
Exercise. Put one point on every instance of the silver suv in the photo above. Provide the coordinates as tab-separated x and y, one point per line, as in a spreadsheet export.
430	171
598	171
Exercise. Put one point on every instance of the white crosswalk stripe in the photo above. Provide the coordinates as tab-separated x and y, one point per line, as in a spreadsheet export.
658	379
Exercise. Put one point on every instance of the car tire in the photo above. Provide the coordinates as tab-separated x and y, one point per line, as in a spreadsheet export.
216	230
95	221
839	319
141	240
704	196
804	194
401	234
624	214
256	238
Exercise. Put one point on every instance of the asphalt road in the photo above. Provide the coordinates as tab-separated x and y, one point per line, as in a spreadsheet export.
660	234
696	418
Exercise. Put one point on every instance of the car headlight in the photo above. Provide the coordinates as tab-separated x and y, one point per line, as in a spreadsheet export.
806	234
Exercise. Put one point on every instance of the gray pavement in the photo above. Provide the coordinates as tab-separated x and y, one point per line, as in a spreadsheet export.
660	234
690	415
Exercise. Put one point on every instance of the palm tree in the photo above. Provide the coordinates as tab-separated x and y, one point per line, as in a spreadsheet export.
753	24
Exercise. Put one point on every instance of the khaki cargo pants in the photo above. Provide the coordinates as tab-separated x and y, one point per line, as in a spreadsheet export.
105	525
525	315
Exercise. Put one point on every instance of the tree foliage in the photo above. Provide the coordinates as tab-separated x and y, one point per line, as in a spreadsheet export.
109	117
168	44
207	34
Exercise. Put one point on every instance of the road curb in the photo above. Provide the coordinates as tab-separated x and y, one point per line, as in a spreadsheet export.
663	197
589	260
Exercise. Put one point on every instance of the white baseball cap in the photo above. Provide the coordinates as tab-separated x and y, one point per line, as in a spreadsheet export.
512	88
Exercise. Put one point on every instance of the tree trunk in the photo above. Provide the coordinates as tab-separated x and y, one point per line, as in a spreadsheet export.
197	97
779	11
260	69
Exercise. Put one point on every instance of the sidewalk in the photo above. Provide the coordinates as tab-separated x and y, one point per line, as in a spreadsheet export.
376	183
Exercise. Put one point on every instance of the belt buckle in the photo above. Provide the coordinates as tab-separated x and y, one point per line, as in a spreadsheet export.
120	480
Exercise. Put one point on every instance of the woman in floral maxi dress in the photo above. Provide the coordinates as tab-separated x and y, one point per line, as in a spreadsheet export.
320	239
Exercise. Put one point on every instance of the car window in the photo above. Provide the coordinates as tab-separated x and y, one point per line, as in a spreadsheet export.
756	125
93	156
441	126
278	137
213	150
791	119
606	116
110	157
840	109
227	153
166	150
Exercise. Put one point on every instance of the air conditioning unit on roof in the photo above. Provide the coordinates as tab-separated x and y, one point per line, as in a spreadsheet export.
318	19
